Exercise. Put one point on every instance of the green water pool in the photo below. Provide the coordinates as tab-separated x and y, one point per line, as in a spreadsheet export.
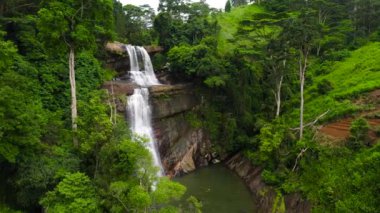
219	189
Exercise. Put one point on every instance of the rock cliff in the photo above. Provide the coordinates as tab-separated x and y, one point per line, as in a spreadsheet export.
264	195
182	147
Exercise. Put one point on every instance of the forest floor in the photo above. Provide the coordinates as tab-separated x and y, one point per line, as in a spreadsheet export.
339	131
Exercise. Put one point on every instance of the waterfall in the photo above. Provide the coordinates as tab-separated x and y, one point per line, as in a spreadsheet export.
143	76
139	110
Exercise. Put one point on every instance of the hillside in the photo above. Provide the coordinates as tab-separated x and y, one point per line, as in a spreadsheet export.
229	24
347	81
289	90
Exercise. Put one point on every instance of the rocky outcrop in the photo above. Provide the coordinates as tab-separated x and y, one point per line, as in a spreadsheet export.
117	48
169	100
117	57
120	87
264	195
182	147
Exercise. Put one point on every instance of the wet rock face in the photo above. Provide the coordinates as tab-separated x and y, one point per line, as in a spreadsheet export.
119	87
182	147
169	100
264	195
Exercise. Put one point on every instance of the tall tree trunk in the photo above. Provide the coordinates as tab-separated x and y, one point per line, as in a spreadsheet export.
302	68
74	112
319	48
278	96
302	82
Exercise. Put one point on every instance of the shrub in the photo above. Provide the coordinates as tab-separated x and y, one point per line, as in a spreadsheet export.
324	86
338	55
359	133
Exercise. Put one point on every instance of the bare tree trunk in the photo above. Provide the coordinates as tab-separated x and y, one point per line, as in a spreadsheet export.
74	112
302	67
319	48
278	96
302	103
111	107
114	104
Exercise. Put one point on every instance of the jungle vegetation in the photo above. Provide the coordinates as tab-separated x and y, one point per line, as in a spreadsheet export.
271	72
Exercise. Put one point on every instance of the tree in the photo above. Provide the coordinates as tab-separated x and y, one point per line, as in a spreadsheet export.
21	115
95	129
167	191
38	171
71	25
269	49
138	24
301	32
174	7
359	133
364	14
227	7
163	25
276	62
198	25
13	8
119	19
75	193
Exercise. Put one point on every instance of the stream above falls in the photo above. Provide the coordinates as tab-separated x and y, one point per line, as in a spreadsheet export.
219	189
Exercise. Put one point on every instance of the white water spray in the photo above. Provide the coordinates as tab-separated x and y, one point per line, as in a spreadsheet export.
143	76
139	110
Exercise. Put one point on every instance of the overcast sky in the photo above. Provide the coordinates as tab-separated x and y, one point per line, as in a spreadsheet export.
219	4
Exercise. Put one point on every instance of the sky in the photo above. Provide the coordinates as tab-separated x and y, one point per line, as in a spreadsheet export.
219	4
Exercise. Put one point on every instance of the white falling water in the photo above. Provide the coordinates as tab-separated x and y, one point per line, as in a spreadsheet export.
142	76
138	104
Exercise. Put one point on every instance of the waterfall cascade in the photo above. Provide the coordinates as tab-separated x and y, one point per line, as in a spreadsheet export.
139	110
142	75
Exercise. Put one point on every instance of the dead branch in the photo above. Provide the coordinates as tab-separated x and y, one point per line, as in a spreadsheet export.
313	122
298	157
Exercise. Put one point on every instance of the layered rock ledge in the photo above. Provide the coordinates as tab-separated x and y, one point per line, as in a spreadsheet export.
182	147
117	56
264	195
118	48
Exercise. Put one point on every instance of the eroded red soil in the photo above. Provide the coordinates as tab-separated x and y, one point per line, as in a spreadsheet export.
340	130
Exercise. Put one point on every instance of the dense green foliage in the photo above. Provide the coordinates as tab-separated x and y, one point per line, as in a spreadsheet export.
247	62
254	60
40	168
342	180
134	24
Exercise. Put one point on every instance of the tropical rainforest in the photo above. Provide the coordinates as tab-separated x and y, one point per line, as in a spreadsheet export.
271	73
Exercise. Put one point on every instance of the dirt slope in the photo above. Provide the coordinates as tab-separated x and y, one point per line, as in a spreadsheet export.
340	130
